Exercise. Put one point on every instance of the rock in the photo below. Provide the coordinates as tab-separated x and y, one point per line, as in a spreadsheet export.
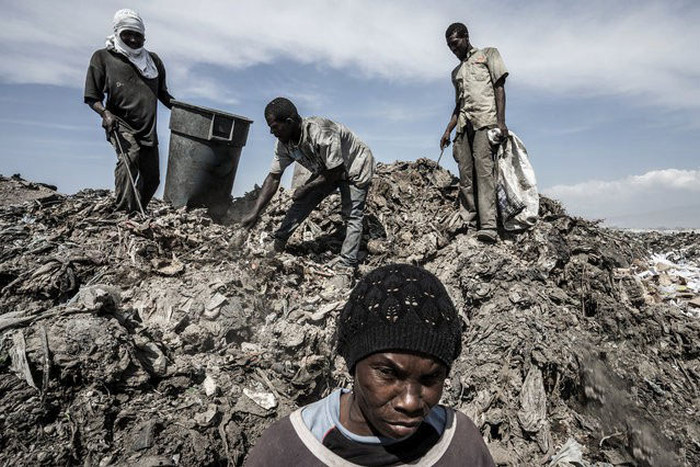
207	418
144	435
210	387
265	400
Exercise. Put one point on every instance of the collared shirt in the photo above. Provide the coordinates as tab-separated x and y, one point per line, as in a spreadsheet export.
325	145
473	80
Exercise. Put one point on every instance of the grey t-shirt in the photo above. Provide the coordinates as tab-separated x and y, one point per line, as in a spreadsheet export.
325	145
132	98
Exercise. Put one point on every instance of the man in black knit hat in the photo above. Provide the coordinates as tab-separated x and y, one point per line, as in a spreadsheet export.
399	334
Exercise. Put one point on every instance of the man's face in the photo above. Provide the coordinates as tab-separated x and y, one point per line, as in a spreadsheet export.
282	129
396	390
459	45
133	39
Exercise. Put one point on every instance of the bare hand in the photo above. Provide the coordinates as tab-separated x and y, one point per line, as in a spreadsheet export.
299	193
249	220
444	141
504	131
108	121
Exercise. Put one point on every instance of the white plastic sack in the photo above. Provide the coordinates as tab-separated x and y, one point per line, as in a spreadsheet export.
516	186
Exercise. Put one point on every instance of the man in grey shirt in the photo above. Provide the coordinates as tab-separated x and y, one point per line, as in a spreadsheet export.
480	105
133	80
336	158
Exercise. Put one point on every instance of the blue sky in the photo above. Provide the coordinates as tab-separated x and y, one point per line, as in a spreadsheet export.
604	94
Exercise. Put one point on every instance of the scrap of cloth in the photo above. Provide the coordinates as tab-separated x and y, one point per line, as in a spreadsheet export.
129	20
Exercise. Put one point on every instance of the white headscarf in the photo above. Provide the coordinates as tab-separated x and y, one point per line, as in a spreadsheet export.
129	20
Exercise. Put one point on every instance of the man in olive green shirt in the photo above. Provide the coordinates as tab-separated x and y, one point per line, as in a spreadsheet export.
480	104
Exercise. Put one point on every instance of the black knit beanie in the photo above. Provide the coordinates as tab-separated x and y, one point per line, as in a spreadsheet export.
399	307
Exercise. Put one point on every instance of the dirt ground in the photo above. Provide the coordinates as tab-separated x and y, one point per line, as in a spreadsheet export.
174	340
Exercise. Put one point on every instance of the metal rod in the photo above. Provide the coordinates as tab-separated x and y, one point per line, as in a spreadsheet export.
125	161
441	151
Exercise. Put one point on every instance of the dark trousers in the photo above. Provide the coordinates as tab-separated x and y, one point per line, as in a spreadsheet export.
477	180
143	163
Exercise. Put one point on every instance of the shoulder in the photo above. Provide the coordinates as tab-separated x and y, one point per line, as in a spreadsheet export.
465	425
316	123
491	52
467	442
155	57
99	56
276	441
319	128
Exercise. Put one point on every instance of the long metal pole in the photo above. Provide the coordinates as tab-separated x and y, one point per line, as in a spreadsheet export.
438	161
125	161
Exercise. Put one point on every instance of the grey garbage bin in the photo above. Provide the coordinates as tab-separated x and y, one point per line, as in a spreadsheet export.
205	147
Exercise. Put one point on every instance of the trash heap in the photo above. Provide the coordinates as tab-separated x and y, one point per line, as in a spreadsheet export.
177	341
673	276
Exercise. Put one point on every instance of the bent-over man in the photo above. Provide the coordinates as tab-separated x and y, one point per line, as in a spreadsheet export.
134	81
480	104
336	158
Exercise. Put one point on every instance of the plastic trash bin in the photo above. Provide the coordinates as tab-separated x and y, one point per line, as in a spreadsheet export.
205	147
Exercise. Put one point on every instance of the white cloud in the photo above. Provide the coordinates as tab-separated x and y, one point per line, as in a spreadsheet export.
642	49
201	86
656	190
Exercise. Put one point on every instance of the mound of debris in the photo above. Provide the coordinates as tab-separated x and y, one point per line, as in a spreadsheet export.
177	341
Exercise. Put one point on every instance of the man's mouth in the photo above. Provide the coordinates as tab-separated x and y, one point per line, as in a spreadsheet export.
403	429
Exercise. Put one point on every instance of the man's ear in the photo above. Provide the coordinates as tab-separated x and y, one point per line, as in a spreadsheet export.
289	121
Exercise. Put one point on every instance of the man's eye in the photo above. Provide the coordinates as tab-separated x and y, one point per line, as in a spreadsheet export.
433	379
386	371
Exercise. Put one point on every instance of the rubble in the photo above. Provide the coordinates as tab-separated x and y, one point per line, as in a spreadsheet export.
176	341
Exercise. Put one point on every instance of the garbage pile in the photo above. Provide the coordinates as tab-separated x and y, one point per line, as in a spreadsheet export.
176	341
674	275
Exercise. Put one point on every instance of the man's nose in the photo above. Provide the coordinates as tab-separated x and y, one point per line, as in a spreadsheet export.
410	401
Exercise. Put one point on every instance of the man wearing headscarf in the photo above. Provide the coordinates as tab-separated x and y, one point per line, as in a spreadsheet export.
133	80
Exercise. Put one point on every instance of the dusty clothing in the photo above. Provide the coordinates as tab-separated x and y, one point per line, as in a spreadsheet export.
475	96
477	180
291	441
131	97
143	163
325	145
473	80
322	418
352	200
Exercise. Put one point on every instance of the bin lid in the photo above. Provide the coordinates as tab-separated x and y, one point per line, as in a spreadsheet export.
199	108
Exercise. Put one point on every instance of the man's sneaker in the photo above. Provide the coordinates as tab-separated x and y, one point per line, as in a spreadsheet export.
487	235
279	245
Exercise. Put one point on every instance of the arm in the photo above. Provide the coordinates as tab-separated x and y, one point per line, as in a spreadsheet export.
500	93
109	122
268	190
327	176
163	94
165	97
94	90
445	140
